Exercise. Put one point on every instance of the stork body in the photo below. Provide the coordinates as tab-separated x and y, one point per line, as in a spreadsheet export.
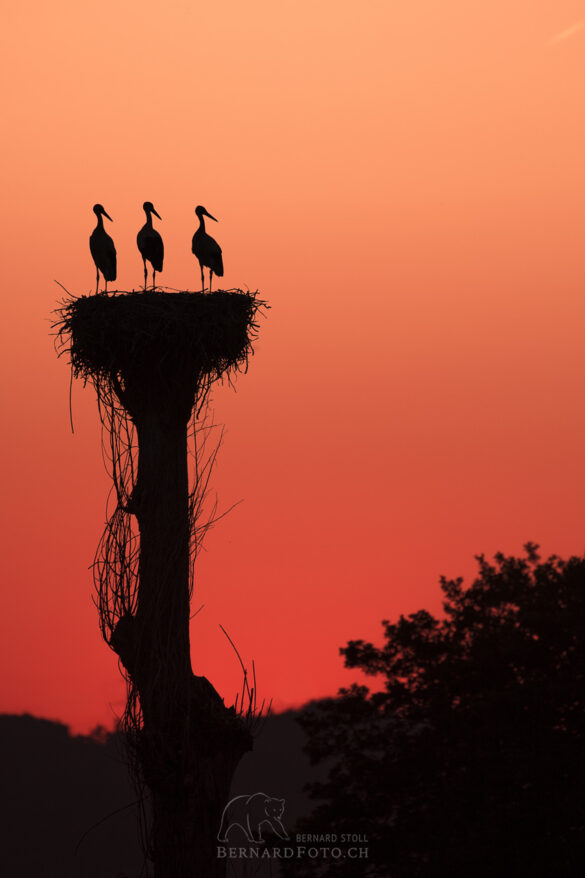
102	249
206	249
150	243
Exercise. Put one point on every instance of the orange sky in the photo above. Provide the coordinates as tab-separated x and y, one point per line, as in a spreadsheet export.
404	183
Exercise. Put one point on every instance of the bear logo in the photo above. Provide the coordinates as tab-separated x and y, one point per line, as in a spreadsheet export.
250	813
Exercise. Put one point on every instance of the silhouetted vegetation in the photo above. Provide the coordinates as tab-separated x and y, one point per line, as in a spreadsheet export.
69	810
470	760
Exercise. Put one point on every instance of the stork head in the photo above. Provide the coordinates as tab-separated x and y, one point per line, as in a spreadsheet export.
200	211
98	209
148	207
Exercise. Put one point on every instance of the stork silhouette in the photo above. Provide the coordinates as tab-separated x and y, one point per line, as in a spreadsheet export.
150	243
102	249
206	249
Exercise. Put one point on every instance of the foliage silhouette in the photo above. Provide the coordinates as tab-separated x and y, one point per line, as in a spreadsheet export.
470	760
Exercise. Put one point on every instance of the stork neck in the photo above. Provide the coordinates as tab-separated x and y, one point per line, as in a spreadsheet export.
201	223
148	219
100	221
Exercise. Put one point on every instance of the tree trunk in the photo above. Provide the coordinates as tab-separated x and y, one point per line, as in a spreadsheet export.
190	743
157	352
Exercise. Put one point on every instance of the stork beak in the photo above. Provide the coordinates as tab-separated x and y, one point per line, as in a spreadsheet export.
210	217
156	214
107	215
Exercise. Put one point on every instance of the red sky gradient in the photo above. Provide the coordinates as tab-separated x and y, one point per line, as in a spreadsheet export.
404	183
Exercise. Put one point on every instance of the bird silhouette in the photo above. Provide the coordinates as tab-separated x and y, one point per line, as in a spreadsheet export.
150	243
102	249
206	249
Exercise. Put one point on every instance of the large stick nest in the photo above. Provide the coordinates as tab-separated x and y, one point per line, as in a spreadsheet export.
112	336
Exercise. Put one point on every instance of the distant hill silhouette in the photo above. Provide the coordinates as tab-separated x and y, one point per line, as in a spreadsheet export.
56	787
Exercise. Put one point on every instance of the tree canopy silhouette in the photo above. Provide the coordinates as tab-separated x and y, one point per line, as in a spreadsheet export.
469	761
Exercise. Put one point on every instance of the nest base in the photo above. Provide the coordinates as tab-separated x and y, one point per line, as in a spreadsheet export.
154	345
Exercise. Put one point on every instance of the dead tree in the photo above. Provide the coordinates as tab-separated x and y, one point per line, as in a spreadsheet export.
152	358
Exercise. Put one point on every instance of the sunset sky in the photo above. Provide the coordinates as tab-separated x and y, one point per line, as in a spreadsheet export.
404	184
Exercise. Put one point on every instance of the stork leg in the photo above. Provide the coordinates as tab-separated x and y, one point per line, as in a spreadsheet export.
106	286
153	274
144	263
97	280
210	277
202	281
